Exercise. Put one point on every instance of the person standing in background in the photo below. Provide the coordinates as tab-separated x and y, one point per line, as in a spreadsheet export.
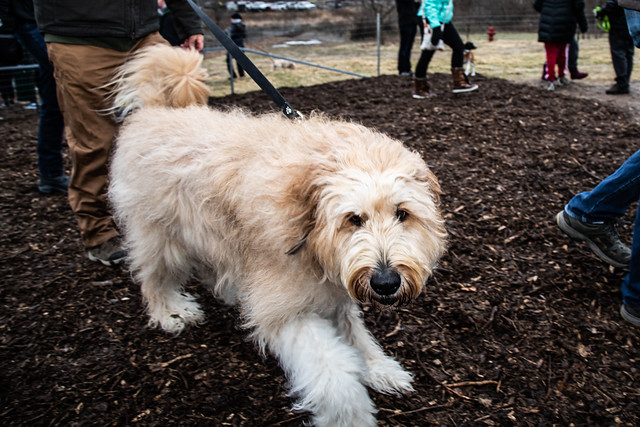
167	27
439	15
408	25
238	33
557	27
620	45
53	178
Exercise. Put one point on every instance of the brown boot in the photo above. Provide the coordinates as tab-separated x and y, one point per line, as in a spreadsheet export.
421	88
460	82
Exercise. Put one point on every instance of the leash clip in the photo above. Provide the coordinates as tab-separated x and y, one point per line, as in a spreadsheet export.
292	113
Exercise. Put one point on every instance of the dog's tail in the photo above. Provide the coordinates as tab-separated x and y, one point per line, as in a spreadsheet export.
161	76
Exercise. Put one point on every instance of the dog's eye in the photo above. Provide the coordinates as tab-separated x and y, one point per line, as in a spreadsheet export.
402	215
356	220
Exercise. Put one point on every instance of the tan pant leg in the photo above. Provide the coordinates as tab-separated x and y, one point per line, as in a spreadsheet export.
81	72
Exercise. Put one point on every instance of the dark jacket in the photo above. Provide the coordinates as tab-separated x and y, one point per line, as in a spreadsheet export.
558	19
10	48
238	32
20	11
617	19
407	13
132	19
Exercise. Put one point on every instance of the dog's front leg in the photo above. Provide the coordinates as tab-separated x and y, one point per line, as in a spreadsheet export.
324	372
384	374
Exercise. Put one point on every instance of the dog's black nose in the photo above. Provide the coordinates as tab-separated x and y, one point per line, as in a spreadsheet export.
385	282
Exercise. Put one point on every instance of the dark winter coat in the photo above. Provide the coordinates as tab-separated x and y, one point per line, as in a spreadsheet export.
558	19
407	13
238	32
132	19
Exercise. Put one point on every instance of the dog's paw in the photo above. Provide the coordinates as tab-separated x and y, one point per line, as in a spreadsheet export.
387	376
176	314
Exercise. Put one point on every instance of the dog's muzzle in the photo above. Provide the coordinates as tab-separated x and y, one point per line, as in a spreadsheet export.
385	283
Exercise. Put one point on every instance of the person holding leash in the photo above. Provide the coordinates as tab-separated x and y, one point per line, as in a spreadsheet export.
87	43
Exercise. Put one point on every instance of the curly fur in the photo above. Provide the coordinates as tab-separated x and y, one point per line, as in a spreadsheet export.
296	223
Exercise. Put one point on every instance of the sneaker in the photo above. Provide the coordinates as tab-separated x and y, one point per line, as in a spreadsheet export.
31	106
406	74
617	90
422	95
469	88
602	239
551	86
110	252
59	184
564	81
631	314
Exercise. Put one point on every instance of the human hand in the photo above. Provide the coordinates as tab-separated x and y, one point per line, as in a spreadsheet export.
194	41
436	35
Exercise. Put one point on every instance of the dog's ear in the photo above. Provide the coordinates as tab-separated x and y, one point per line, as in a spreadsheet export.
301	201
425	175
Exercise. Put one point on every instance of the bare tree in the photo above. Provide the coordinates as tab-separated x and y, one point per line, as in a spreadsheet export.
365	22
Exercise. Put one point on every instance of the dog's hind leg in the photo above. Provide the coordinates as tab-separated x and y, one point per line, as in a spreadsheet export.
324	372
384	374
162	271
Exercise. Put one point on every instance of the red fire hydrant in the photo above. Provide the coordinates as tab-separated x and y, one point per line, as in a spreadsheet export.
491	33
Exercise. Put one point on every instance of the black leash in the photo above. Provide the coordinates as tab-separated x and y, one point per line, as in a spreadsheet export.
246	64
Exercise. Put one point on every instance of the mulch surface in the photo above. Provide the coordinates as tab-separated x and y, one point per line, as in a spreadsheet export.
519	325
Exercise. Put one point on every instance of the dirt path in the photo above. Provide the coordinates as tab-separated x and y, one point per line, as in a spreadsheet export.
596	91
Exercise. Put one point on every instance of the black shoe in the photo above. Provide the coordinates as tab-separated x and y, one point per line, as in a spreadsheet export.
59	184
602	239
631	314
617	90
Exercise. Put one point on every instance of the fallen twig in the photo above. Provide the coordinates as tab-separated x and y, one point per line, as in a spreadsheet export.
162	365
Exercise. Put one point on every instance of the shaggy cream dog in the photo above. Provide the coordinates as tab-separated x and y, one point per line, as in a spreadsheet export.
296	223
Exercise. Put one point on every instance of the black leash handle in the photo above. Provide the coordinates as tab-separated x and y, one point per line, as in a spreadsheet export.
246	64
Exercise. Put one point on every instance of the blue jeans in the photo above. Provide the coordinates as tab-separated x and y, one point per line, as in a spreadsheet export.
51	126
610	199
633	22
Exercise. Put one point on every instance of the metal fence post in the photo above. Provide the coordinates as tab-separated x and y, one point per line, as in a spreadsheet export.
378	39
